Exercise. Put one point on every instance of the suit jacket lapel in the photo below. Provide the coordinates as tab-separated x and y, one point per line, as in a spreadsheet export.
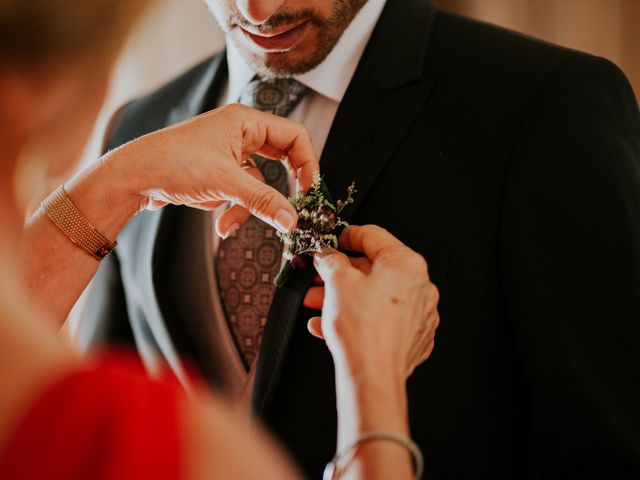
204	92
388	89
180	273
386	92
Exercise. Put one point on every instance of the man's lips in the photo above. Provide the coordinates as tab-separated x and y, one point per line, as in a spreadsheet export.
279	42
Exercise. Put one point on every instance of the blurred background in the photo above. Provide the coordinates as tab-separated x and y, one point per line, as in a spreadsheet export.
609	28
177	33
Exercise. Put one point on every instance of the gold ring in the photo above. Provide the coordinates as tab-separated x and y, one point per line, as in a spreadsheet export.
247	164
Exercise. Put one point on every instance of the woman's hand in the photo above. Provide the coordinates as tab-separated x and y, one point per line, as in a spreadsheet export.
199	163
195	163
379	319
379	312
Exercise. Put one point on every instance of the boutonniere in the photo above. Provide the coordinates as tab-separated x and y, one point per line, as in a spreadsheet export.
318	225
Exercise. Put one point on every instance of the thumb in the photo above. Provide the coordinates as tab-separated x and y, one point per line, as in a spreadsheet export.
330	262
265	202
314	325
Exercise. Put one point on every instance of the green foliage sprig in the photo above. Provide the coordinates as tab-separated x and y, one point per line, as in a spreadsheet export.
318	220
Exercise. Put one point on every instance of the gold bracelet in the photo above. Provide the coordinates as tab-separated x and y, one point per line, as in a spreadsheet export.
338	464
66	216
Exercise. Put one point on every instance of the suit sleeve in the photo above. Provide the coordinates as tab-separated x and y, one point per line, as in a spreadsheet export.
570	270
104	318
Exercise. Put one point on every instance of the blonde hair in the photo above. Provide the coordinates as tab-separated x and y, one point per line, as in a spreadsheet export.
32	31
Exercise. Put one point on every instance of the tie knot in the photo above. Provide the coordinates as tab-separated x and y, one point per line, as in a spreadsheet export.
277	96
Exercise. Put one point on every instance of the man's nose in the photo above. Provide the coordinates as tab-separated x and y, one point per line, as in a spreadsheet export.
258	11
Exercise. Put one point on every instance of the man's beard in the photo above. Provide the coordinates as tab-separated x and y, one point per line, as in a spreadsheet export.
328	32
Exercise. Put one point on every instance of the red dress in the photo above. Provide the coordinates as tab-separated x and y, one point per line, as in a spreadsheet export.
106	423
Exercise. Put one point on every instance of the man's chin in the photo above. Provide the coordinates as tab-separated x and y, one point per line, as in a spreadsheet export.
296	61
286	64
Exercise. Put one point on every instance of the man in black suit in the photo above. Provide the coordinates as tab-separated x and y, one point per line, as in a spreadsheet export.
511	165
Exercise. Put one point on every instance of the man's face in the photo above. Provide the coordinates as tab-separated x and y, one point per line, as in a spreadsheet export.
279	38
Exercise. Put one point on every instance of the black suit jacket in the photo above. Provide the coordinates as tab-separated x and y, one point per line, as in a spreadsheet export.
513	166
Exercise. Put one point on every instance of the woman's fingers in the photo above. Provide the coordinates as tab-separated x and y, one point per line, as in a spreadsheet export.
263	201
361	263
219	142
314	325
207	206
314	298
231	219
423	346
155	204
280	138
368	239
331	263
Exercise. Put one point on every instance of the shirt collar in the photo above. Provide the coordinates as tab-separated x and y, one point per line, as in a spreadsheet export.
331	77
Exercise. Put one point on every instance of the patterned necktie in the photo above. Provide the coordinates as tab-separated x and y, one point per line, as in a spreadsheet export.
247	262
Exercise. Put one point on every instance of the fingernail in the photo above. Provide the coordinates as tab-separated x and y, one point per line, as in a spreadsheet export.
284	221
232	229
323	251
317	256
